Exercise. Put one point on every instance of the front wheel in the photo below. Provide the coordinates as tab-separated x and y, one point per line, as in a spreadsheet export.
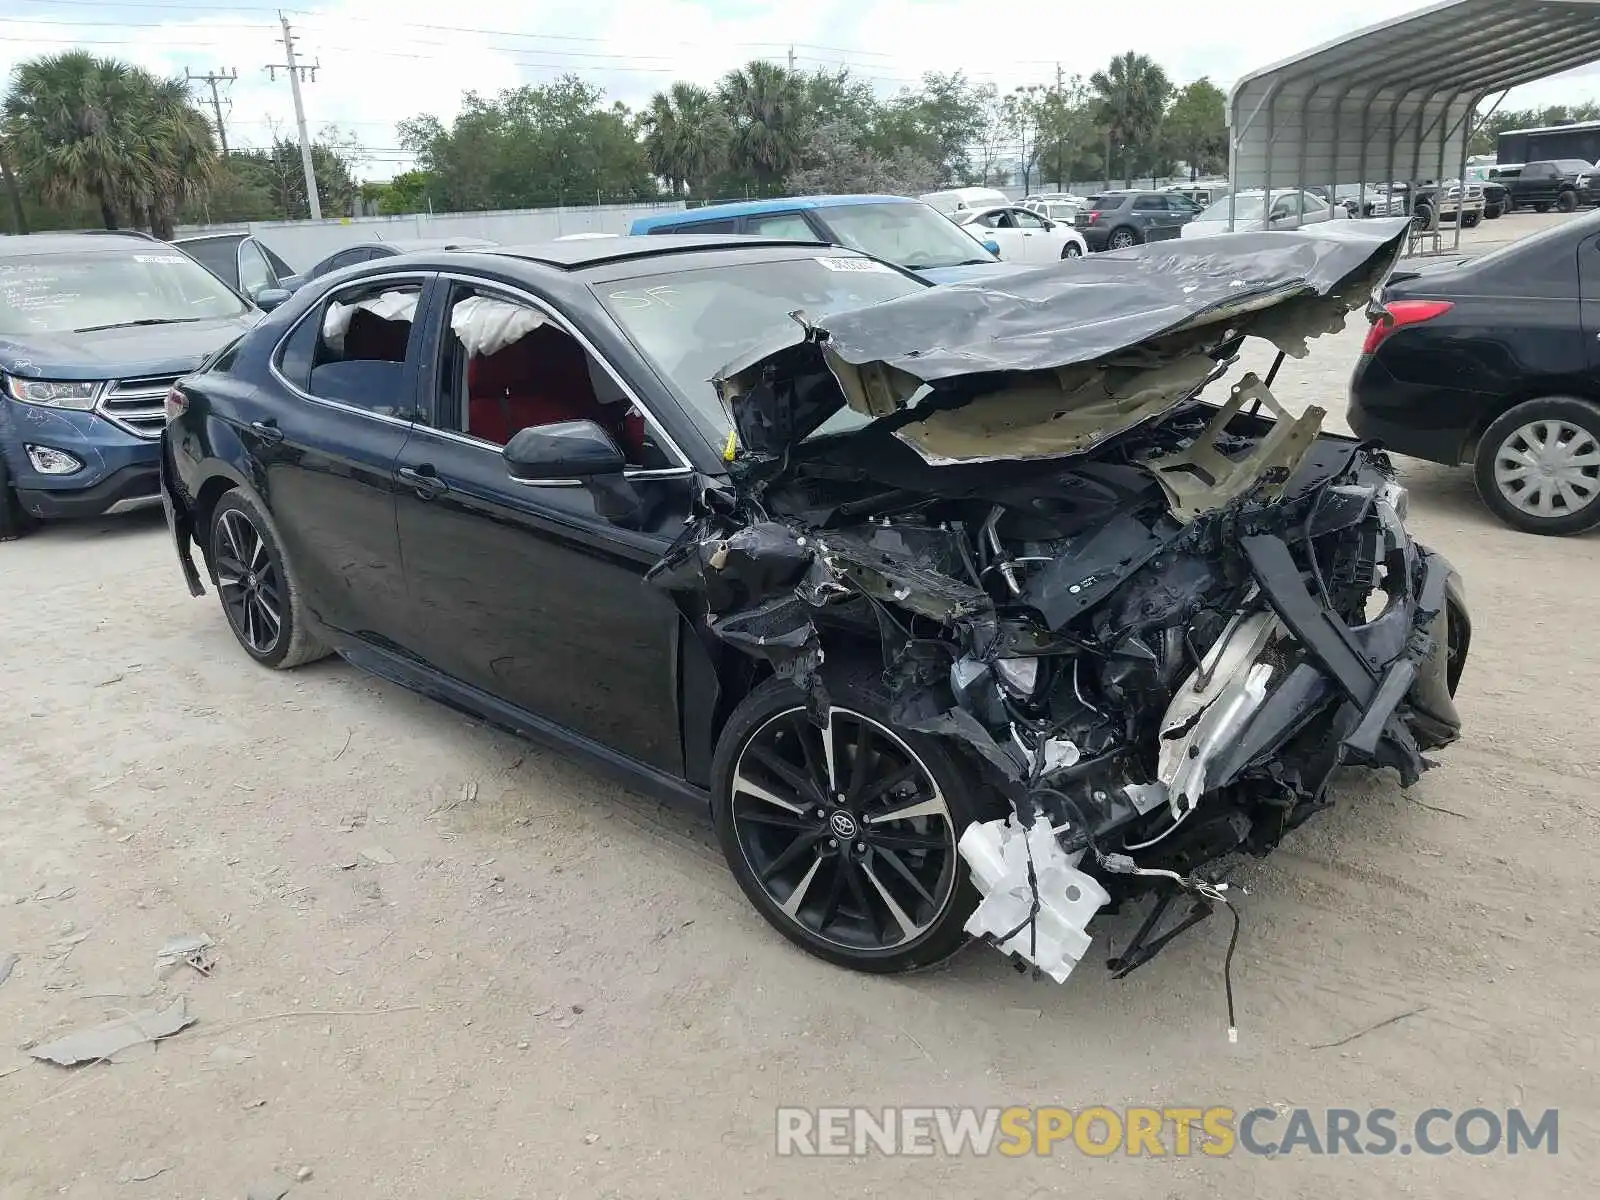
1538	466
1470	221
260	593
1072	250
1122	239
844	837
1567	201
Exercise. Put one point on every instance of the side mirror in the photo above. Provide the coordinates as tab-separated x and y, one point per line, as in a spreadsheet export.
268	299
564	450
992	246
1048	224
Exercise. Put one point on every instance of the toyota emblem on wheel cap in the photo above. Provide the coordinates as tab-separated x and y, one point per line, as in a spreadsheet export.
844	825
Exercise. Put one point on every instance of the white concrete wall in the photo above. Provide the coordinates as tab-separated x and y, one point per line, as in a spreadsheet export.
302	244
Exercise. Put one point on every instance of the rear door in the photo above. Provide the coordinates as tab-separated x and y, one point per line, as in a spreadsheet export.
1589	302
327	442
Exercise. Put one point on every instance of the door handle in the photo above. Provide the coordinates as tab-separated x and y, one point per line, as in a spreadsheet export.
423	480
267	430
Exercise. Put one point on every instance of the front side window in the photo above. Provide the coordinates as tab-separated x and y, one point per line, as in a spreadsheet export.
351	349
79	291
255	275
508	366
782	225
1027	220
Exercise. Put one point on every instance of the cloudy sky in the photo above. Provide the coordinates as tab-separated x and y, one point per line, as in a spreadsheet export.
383	60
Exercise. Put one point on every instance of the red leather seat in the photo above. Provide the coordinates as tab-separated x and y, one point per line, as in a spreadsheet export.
540	379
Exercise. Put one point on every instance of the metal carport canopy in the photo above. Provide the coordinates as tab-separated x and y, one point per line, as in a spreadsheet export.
1394	102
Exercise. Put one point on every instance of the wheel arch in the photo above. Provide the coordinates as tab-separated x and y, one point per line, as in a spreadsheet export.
1566	389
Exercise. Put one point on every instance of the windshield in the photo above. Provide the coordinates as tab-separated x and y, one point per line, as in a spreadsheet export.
1574	166
691	324
79	291
913	236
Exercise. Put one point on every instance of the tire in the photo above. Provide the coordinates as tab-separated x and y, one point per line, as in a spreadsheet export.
1567	201
842	916
1122	238
264	589
1470	221
14	519
1422	216
1071	250
1492	212
1553	427
1541	208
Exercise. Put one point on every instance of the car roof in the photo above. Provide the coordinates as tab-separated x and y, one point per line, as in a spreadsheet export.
577	256
211	237
18	245
407	245
756	208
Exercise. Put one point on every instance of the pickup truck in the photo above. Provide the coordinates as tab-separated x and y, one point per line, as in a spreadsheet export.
1561	183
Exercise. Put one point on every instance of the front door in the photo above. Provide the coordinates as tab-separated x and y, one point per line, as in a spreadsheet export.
534	594
1037	244
327	440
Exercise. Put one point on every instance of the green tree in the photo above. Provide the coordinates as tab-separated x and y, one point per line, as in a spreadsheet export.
686	137
554	143
1196	128
938	121
1131	97
766	105
177	142
1066	135
838	161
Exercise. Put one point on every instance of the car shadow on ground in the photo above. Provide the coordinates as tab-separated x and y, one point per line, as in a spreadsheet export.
81	529
1449	494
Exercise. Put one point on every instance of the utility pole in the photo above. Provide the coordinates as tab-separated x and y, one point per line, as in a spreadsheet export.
296	74
213	78
791	58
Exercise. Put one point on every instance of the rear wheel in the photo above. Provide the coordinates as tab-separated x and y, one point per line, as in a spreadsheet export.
1541	208
1122	238
260	594
1538	466
14	519
844	837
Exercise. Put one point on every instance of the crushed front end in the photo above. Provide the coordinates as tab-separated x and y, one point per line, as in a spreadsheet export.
1155	626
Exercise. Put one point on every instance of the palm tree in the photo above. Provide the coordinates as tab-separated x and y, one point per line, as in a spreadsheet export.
177	140
685	137
70	121
766	105
1131	95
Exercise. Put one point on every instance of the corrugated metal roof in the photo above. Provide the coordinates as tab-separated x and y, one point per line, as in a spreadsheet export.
1394	101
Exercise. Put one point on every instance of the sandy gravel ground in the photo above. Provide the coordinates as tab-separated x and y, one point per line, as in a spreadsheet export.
449	964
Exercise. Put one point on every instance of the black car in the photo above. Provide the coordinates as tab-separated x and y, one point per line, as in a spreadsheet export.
1562	183
1495	361
921	661
245	263
1117	220
367	251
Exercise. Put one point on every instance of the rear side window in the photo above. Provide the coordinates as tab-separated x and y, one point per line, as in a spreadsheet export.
1151	203
352	348
1107	203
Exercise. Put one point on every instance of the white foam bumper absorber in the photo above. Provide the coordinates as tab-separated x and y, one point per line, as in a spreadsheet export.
998	852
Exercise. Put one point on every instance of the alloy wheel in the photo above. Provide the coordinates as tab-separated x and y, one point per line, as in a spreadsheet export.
1121	240
1071	251
1548	468
252	590
844	828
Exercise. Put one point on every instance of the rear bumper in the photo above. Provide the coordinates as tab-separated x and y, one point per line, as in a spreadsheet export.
1416	420
180	520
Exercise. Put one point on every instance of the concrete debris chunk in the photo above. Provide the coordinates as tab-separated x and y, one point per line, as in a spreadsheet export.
272	1188
100	1042
8	963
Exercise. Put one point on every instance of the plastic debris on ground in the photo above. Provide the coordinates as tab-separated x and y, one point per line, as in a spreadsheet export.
100	1042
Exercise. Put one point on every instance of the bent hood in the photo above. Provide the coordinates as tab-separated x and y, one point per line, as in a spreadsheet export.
969	272
1054	360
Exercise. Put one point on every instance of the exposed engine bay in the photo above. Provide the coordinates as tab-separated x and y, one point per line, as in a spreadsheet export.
1156	625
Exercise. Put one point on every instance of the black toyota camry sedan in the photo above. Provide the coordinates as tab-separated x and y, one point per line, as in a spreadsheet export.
963	611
